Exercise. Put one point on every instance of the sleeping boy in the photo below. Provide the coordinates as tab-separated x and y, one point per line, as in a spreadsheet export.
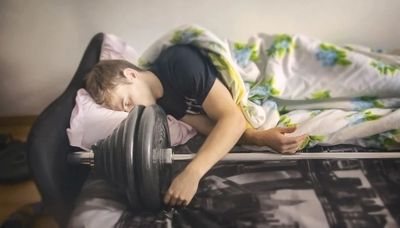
185	84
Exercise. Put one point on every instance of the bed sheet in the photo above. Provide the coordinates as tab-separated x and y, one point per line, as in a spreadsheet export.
303	193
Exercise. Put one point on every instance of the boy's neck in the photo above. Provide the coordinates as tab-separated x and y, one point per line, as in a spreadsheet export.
153	83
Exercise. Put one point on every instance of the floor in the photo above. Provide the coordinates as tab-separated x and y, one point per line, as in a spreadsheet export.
13	196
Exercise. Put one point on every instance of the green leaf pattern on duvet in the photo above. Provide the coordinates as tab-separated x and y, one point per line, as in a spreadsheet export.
186	35
384	69
286	121
311	141
260	91
362	103
320	95
244	53
329	55
282	45
363	116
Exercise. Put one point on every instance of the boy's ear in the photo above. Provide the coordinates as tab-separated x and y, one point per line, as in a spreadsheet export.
129	73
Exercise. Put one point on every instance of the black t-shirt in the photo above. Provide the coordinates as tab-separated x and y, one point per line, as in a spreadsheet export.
187	76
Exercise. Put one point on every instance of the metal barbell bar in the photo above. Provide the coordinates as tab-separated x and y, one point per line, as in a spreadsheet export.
138	153
87	157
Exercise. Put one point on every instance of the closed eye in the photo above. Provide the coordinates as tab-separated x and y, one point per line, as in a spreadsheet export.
128	106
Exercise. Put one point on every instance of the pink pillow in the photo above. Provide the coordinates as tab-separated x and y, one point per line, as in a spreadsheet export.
91	122
115	48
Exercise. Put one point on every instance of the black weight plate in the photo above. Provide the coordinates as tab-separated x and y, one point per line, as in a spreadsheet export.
129	144
114	156
153	135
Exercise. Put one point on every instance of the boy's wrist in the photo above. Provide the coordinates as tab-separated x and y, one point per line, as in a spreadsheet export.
197	170
249	137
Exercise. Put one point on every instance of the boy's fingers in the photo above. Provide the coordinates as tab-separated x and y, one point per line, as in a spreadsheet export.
294	148
167	198
301	138
181	203
299	141
287	129
290	150
173	201
295	139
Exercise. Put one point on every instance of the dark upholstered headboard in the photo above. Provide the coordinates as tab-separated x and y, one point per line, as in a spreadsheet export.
48	145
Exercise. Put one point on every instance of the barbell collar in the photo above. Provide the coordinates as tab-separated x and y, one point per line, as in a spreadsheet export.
81	157
166	155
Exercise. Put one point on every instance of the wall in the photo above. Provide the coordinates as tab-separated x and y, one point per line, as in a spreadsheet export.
42	41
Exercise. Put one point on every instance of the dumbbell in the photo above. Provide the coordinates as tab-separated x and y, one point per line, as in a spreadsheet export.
137	157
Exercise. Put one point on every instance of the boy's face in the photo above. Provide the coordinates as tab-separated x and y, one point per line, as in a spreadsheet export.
123	98
135	91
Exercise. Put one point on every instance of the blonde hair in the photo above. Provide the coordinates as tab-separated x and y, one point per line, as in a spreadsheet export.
105	76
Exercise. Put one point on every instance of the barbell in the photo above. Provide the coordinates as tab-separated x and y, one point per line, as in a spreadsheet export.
137	157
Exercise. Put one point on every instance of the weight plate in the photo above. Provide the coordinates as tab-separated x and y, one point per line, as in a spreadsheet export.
129	145
153	136
114	156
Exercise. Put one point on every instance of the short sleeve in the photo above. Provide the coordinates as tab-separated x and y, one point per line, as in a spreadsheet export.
187	76
193	72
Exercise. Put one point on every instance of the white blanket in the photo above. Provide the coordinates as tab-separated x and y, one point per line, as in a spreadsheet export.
337	95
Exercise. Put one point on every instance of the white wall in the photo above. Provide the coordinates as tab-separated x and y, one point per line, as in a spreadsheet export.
42	41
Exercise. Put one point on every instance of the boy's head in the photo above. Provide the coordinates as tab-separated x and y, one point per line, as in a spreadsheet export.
104	77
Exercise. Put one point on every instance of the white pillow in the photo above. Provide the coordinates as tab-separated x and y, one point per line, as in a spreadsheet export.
115	48
91	122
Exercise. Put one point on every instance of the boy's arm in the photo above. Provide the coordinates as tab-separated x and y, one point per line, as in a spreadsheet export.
229	126
274	138
200	122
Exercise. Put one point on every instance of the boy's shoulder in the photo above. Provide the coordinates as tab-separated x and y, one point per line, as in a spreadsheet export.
183	52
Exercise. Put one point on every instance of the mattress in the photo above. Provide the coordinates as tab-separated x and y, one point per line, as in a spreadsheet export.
286	193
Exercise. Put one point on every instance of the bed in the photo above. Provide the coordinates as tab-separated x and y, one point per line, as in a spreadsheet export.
303	193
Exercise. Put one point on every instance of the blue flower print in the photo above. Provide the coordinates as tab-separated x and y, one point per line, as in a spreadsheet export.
384	69
330	55
328	58
283	44
259	92
363	116
242	56
355	118
244	53
362	103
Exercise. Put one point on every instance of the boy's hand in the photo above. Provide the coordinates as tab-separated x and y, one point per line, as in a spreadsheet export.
276	139
182	189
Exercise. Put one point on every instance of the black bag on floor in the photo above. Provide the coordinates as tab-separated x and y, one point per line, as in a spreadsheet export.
13	160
